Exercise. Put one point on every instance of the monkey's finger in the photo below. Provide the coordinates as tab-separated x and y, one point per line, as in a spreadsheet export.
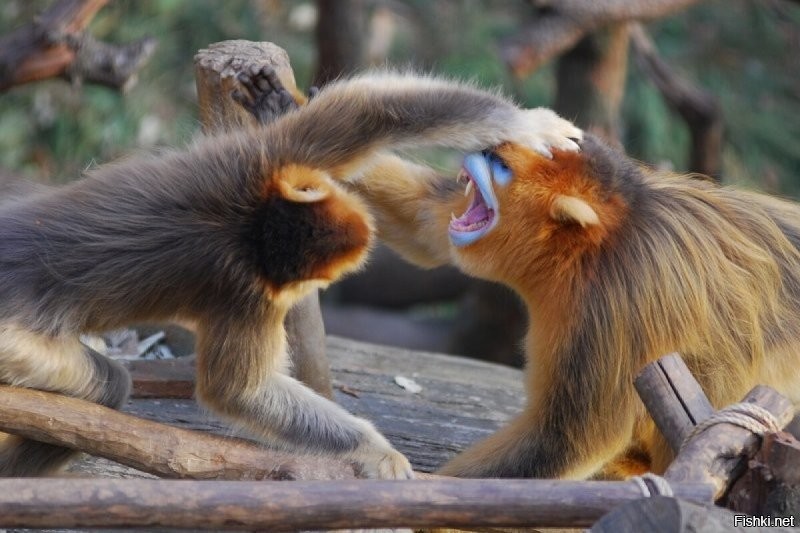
286	100
260	81
573	145
542	149
247	82
240	98
270	76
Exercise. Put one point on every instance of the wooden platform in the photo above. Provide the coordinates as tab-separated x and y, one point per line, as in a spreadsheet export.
461	401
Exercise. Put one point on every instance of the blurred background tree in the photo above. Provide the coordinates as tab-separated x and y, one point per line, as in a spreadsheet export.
742	56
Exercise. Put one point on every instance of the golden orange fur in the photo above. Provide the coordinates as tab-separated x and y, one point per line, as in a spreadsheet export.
617	265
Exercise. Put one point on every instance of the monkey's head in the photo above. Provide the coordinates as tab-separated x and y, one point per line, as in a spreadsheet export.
307	231
529	215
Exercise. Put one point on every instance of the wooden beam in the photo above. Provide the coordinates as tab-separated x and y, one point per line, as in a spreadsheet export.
303	505
673	398
719	455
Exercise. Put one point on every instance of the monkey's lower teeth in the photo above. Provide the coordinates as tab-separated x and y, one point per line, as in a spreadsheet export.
476	225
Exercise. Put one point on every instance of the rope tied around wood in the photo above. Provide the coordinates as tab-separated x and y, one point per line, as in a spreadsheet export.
747	415
653	485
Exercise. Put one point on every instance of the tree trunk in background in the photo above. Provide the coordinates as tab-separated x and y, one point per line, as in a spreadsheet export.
591	81
340	38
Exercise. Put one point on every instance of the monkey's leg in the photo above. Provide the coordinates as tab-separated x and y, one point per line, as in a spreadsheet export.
240	377
60	365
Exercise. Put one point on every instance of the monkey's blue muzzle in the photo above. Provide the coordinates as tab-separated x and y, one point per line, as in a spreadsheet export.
482	169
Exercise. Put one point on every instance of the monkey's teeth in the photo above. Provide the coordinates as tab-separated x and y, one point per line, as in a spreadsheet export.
469	188
453	217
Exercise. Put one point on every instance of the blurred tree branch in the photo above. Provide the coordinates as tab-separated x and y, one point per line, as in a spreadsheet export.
56	44
697	107
560	24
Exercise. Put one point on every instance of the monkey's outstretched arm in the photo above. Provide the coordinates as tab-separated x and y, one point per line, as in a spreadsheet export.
250	351
350	120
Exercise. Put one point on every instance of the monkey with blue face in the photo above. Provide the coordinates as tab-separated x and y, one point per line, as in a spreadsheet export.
617	265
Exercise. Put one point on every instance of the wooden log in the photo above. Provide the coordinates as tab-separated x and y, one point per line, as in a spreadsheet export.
149	446
166	378
719	454
216	68
672	515
673	398
303	505
771	485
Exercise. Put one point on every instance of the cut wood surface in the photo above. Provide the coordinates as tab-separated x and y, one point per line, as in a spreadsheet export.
304	505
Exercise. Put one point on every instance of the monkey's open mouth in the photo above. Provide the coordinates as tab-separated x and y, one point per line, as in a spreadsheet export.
481	216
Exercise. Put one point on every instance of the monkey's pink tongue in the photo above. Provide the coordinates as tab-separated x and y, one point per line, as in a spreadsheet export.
476	216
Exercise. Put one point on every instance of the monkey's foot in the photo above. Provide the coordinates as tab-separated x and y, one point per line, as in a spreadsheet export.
382	463
542	130
264	95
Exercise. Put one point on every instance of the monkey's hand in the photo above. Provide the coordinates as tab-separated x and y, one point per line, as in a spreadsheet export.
542	130
383	464
264	95
377	459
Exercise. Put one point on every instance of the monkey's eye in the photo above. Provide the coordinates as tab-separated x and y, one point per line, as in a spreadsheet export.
500	171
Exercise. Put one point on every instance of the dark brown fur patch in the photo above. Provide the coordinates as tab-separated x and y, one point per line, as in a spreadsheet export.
298	241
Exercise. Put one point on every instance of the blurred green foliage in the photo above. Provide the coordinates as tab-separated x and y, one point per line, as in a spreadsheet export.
745	52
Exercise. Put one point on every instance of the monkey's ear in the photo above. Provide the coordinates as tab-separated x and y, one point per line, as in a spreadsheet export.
303	185
571	209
